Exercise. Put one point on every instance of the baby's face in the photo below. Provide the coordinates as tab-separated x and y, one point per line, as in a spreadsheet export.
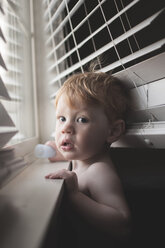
81	131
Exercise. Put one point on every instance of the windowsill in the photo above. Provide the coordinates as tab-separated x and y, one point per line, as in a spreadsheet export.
27	203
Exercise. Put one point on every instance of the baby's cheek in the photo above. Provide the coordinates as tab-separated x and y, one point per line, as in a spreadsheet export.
89	142
57	140
96	141
57	133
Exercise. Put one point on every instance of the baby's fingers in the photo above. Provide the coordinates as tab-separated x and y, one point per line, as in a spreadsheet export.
62	174
51	176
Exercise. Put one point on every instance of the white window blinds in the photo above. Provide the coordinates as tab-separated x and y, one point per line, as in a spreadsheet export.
16	84
127	38
6	123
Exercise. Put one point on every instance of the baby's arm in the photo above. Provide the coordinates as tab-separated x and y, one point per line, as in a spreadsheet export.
107	208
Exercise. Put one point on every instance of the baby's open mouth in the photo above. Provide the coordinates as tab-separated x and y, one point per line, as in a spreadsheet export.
66	145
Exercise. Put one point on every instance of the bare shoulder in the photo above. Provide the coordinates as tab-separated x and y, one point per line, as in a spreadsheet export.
103	170
104	184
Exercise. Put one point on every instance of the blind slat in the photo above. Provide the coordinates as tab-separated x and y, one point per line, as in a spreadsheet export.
13	83
145	72
135	55
144	115
11	69
12	107
2	35
1	9
143	135
3	91
5	118
16	43
5	136
11	28
152	93
15	97
2	63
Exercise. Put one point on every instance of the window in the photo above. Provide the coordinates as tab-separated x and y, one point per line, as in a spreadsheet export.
17	88
127	39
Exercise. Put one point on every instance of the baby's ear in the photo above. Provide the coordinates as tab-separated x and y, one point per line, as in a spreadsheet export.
115	131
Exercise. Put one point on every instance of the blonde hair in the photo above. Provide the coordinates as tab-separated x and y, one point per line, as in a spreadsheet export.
97	88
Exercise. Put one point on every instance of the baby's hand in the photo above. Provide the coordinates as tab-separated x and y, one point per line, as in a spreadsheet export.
58	156
70	178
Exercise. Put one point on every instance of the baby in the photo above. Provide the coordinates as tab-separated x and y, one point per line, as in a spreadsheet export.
90	115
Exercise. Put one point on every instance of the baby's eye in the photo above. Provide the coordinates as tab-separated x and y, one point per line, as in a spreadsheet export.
82	120
62	118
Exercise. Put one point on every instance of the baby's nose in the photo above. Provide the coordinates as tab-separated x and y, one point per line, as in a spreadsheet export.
68	128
